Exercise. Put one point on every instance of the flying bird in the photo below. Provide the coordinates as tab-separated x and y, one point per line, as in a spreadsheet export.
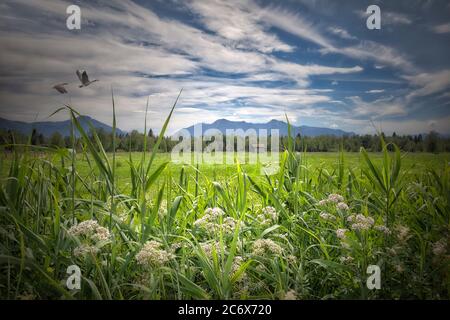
82	75
60	87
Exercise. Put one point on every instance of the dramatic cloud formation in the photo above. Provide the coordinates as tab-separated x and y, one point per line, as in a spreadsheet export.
242	60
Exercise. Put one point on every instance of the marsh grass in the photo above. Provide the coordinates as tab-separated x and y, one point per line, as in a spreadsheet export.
244	253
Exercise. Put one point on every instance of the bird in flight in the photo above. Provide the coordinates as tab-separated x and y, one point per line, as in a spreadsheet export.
84	79
60	87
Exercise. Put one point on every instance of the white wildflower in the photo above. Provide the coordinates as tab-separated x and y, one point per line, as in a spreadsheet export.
101	234
346	259
399	268
383	229
291	259
342	206
90	228
151	254
175	246
323	202
214	212
336	198
327	216
209	247
361	222
290	295
439	248
402	233
84	228
83	250
270	212
213	221
237	262
340	233
263	246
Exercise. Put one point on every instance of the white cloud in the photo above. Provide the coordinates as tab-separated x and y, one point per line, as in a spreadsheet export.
377	109
140	53
375	91
429	83
238	21
370	50
341	33
394	18
442	28
388	17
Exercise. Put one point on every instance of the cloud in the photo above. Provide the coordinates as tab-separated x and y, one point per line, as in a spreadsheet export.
393	18
238	21
442	28
234	59
370	50
388	17
429	83
341	33
377	109
375	91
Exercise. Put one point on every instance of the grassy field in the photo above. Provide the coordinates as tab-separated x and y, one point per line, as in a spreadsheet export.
140	227
413	164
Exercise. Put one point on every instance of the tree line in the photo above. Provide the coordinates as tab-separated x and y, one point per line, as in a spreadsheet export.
134	141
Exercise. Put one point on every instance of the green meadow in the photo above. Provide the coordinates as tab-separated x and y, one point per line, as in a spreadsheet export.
138	226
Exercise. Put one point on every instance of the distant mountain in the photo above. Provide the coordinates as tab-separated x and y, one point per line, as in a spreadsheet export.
47	128
222	125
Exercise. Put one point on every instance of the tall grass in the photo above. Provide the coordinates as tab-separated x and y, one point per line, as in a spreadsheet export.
195	236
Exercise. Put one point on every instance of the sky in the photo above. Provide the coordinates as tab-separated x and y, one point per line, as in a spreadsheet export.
314	61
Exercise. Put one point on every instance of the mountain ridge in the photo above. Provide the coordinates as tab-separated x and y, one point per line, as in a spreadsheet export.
223	124
47	128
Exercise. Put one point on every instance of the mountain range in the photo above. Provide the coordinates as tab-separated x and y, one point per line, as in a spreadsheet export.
47	128
222	125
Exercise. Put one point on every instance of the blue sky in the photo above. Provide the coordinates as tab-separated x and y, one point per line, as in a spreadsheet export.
313	60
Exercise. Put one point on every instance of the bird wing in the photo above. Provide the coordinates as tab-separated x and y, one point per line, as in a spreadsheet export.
79	75
85	78
60	88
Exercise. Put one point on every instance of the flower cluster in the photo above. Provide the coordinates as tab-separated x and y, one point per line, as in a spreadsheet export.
214	220
403	233
336	199
92	233
209	247
290	295
346	259
360	222
90	228
440	247
268	215
84	250
342	206
151	255
340	233
383	229
326	216
266	246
